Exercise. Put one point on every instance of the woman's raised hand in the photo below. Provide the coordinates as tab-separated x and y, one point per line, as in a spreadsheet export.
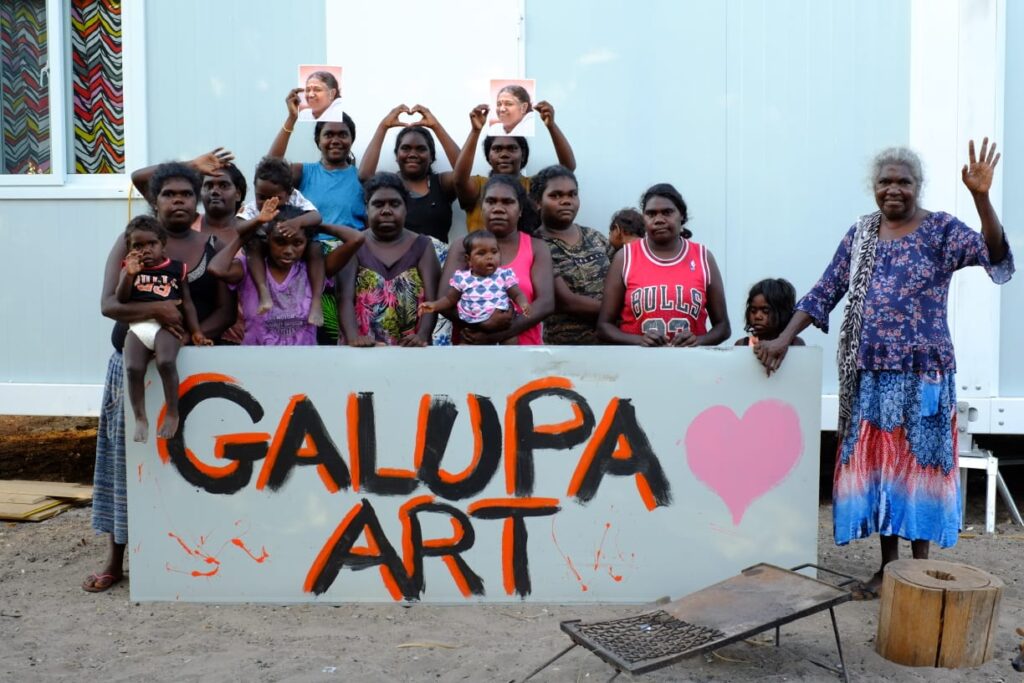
392	121
293	102
977	174
211	162
478	116
546	112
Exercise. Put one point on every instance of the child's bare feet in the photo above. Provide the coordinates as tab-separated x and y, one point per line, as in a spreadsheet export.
316	312
265	303
169	427
141	430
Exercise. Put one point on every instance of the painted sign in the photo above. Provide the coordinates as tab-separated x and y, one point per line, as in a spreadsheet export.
450	475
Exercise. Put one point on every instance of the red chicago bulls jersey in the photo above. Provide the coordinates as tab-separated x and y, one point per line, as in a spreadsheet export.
665	296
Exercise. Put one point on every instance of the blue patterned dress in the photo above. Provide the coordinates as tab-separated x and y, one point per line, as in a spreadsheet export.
896	471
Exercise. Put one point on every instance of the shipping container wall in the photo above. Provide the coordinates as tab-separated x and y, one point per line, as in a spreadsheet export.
1011	367
763	114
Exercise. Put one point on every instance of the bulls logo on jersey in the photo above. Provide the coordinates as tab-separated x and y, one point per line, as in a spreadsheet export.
665	296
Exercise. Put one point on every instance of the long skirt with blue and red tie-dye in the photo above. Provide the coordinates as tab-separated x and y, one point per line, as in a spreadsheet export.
897	471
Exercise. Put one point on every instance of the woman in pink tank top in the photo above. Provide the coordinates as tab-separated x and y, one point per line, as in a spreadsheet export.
504	201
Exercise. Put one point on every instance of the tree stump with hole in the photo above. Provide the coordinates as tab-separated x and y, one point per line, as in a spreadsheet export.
939	614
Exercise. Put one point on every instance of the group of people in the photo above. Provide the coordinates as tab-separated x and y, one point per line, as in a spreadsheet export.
330	252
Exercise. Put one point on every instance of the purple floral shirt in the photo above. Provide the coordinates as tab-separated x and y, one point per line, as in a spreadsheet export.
904	326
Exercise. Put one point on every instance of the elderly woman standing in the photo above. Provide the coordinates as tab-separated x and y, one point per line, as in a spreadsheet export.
896	471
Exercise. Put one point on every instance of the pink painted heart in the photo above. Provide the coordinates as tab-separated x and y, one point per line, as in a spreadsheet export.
741	459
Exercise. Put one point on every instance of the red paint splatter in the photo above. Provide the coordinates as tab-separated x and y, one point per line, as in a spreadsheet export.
140	472
615	577
600	546
258	560
568	560
196	553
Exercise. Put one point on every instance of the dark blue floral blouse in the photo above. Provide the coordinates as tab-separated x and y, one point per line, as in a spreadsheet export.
904	326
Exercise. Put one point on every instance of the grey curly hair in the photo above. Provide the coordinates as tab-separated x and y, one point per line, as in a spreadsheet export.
899	156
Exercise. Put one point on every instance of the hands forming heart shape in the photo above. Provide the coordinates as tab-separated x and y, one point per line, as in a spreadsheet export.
400	116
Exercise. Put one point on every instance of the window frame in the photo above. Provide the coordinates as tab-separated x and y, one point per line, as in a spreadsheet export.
61	182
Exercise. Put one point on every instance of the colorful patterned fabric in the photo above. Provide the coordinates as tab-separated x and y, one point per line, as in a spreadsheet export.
904	315
387	298
897	472
583	267
483	295
443	327
110	483
24	81
97	83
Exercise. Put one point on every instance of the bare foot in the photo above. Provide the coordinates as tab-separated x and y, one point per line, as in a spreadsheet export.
169	427
141	430
265	304
868	590
316	313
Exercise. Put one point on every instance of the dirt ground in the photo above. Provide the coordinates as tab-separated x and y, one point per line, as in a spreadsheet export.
52	630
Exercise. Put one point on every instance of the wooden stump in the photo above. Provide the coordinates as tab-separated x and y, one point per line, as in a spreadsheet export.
936	613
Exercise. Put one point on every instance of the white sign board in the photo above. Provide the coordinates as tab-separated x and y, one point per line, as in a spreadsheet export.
447	475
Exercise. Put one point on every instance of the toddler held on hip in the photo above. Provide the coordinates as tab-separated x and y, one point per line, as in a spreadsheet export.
147	276
483	289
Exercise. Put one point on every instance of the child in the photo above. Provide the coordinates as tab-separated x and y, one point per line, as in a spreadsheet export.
274	179
148	275
483	289
291	292
627	226
770	307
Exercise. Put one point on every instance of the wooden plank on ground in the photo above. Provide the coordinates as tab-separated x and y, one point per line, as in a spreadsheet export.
21	511
21	497
48	513
53	489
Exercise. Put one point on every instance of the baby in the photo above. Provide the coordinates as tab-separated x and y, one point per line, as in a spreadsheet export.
148	275
483	289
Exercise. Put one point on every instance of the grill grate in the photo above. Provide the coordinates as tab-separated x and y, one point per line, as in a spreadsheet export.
645	637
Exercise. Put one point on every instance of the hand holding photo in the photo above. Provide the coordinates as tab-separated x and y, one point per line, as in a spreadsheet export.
320	93
513	112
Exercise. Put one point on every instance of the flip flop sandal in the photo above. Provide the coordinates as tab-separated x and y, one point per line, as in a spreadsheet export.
98	583
862	591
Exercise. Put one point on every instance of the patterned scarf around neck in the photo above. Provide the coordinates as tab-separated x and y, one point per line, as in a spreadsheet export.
862	263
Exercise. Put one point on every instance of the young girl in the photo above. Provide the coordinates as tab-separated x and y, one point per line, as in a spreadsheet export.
484	288
627	226
292	295
148	275
274	179
770	307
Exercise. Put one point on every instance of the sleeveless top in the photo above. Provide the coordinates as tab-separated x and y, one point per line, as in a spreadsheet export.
521	265
202	286
430	214
665	296
337	194
387	297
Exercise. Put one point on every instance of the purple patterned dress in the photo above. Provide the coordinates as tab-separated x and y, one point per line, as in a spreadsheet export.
896	471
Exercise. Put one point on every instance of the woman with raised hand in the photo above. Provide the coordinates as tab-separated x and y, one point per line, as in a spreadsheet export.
896	471
506	155
431	194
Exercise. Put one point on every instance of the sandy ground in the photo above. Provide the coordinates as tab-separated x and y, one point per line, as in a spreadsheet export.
51	630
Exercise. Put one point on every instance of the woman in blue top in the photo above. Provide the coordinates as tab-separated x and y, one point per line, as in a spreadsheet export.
332	183
896	470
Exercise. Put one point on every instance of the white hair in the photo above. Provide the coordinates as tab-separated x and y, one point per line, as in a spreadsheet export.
897	156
